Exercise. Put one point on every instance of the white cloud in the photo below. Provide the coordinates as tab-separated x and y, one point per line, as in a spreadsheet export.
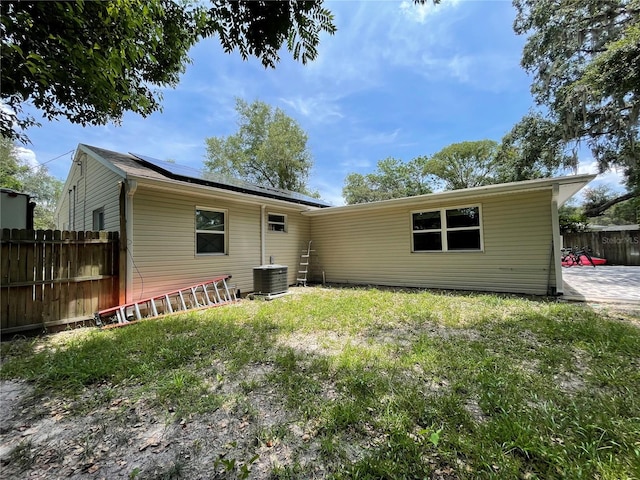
28	156
356	162
330	189
484	71
611	178
320	108
378	138
421	13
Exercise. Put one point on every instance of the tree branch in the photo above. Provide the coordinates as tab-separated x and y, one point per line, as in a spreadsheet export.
598	210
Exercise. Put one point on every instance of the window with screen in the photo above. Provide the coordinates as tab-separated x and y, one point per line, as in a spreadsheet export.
211	231
277	222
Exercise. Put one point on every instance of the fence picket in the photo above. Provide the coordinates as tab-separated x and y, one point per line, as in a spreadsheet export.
620	247
48	277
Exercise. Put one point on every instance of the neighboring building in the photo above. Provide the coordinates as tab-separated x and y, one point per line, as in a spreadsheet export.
16	209
181	227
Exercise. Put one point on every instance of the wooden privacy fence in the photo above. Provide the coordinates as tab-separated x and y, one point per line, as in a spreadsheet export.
621	247
52	277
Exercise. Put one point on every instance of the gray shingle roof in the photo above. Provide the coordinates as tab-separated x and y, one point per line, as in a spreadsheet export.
148	167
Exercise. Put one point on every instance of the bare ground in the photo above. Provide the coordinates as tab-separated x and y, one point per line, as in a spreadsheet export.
42	438
45	438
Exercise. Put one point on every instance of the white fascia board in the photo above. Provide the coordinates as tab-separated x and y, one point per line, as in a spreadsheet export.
568	185
196	189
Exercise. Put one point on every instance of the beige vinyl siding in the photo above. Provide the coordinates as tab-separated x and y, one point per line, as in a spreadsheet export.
95	187
286	247
374	247
164	234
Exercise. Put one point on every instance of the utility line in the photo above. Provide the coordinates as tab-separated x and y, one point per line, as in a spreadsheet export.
62	155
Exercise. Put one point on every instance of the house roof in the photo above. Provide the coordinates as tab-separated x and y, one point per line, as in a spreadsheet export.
566	187
139	166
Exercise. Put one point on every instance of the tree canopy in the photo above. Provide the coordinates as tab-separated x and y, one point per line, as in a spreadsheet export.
11	169
44	189
464	165
91	62
584	56
459	165
392	179
533	148
522	155
269	149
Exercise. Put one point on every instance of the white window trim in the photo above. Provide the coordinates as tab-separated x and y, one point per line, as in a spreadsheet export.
269	223
443	229
224	232
98	212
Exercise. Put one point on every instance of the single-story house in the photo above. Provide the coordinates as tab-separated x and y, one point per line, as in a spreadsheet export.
181	227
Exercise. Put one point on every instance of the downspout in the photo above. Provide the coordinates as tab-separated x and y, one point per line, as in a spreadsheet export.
557	241
263	234
132	186
69	219
122	250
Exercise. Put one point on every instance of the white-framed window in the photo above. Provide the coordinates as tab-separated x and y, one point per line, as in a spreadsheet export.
277	222
211	231
98	219
447	229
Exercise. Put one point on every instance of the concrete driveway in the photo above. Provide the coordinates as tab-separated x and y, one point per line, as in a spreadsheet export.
604	283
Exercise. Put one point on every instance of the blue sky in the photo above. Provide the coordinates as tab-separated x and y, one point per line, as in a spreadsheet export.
396	80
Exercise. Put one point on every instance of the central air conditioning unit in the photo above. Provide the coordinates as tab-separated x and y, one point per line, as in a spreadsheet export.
270	280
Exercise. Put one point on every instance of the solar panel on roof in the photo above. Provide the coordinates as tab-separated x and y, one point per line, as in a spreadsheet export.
183	172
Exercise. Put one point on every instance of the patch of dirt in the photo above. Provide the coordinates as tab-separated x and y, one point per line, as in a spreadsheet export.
120	434
573	381
128	438
626	313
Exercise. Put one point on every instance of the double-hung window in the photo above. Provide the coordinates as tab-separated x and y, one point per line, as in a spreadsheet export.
447	229
277	222
211	231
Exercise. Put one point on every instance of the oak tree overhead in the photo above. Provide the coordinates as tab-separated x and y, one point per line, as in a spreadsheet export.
533	149
269	149
91	62
584	56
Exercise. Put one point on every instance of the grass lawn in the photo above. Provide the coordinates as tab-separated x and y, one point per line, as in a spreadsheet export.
336	383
